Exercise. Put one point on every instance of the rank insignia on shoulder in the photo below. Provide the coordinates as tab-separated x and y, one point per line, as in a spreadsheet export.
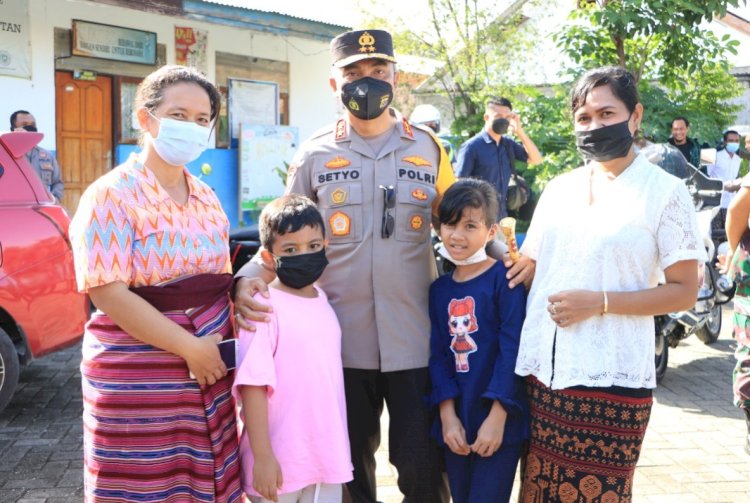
337	162
417	161
419	194
338	196
407	129
416	221
340	224
340	129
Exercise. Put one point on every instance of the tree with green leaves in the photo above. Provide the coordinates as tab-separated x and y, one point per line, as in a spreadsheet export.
465	36
680	64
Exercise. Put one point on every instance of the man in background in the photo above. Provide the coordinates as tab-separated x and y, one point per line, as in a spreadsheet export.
491	154
43	162
690	147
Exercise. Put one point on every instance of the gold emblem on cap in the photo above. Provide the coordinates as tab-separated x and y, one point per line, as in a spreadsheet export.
366	43
353	104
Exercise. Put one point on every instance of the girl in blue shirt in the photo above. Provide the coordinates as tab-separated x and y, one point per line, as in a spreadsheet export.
476	326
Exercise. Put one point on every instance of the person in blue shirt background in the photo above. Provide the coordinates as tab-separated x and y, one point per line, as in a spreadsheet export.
489	154
476	324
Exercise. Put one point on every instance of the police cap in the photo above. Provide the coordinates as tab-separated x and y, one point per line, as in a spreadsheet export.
357	45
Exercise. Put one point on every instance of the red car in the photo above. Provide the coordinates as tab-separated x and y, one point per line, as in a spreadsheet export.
41	310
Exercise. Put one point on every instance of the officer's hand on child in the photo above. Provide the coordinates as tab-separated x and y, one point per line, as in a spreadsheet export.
246	308
490	434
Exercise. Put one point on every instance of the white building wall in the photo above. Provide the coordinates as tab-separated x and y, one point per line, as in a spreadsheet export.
311	101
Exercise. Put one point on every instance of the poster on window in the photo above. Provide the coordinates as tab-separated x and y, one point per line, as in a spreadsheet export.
252	102
190	47
265	154
15	41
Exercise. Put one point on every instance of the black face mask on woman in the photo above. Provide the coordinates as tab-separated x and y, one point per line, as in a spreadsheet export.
298	271
605	143
367	98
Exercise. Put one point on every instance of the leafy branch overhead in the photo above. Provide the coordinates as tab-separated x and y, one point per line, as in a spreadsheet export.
661	40
680	64
475	45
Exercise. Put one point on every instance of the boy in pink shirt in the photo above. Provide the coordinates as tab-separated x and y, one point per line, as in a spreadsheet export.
289	382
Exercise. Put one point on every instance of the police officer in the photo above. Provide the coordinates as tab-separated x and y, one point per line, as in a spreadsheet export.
377	180
43	162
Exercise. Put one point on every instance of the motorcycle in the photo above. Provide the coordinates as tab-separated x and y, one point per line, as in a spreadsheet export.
244	242
704	318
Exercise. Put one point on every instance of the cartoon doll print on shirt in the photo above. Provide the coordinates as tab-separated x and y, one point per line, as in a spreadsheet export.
461	323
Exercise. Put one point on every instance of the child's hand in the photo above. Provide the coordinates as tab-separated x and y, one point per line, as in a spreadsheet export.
455	436
490	434
267	477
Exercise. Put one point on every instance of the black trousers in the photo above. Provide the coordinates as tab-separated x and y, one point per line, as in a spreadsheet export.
414	454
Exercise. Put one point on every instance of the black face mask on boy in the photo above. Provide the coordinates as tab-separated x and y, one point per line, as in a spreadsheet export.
605	143
298	271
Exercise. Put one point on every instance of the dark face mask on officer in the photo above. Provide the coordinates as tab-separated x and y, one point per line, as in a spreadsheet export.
31	128
367	98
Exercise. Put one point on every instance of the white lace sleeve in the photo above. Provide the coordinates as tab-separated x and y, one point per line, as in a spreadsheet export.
678	235
533	239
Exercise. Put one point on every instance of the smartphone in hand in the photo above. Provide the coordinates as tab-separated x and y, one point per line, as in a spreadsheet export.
229	351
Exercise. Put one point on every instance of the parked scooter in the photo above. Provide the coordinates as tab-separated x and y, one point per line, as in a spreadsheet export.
704	319
244	242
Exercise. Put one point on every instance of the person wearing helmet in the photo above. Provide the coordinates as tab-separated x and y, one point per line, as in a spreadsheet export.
428	115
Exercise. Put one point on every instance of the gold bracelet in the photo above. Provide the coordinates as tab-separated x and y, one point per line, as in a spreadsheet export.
606	303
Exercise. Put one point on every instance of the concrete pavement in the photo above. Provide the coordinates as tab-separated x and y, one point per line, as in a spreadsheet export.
693	450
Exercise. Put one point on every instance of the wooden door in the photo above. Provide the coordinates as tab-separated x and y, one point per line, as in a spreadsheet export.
84	133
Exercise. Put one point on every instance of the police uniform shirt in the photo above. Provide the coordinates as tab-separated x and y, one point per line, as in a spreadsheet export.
45	164
377	286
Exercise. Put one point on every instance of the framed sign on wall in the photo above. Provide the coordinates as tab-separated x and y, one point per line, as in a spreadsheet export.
252	102
105	41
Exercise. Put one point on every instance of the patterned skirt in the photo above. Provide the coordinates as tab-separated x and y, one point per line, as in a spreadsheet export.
584	445
151	434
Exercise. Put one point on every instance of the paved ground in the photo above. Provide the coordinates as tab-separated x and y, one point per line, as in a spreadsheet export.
693	450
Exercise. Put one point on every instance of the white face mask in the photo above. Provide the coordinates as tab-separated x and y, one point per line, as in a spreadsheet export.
180	142
479	256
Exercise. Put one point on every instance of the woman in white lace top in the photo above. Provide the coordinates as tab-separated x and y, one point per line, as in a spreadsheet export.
600	238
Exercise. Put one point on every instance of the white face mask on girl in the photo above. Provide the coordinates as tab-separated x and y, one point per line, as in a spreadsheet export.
180	142
479	256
